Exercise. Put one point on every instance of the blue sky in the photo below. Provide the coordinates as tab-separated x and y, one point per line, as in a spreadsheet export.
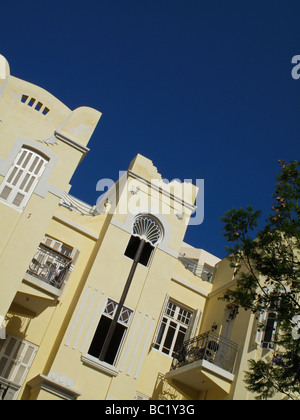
202	88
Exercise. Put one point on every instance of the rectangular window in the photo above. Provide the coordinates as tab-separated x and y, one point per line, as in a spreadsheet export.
266	331
270	331
118	336
132	248
173	328
22	178
16	357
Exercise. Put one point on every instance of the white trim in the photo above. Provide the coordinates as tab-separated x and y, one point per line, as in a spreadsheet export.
71	142
95	363
190	286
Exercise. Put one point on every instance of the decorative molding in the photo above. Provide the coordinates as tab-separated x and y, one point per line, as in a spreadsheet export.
71	142
97	364
190	286
51	141
159	188
56	384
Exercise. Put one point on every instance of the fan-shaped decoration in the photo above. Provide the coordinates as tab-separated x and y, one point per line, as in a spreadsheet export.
148	229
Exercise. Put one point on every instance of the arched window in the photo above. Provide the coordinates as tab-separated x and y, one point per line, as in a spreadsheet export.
22	178
147	228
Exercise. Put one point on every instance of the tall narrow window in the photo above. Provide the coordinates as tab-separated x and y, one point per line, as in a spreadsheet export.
173	328
267	328
22	178
118	336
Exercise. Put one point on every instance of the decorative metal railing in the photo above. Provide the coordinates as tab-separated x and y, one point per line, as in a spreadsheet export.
8	390
209	346
50	266
196	268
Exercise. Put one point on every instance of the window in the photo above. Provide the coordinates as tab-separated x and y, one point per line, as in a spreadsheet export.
148	229
22	178
16	357
173	328
267	328
132	248
119	334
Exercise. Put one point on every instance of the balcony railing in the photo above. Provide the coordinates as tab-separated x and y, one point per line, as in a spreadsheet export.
196	268
8	390
209	346
50	266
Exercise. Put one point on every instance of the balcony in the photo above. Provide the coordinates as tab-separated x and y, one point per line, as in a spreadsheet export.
204	362
50	266
205	273
8	390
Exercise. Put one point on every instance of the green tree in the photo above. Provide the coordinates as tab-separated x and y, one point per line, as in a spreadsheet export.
267	269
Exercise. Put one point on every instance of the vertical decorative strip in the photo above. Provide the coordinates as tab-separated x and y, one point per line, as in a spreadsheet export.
133	357
126	352
95	318
146	345
67	343
87	314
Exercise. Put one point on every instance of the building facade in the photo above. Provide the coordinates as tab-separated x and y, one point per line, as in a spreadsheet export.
105	301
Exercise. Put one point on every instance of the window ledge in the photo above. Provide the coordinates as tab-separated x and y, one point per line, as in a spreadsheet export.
99	365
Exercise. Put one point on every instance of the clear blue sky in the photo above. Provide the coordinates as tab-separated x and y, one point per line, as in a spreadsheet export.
202	88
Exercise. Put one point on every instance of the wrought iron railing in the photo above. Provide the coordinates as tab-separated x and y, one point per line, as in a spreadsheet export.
8	390
50	266
196	268
209	346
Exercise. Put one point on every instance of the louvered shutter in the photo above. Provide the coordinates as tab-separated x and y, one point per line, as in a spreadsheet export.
22	178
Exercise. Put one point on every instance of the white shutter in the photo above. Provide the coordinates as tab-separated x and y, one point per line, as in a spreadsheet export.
166	301
193	325
260	330
16	357
22	178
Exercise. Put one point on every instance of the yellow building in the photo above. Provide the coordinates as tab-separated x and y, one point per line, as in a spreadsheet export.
107	301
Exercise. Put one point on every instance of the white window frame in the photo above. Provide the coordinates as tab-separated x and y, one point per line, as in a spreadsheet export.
22	177
176	314
110	315
261	330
